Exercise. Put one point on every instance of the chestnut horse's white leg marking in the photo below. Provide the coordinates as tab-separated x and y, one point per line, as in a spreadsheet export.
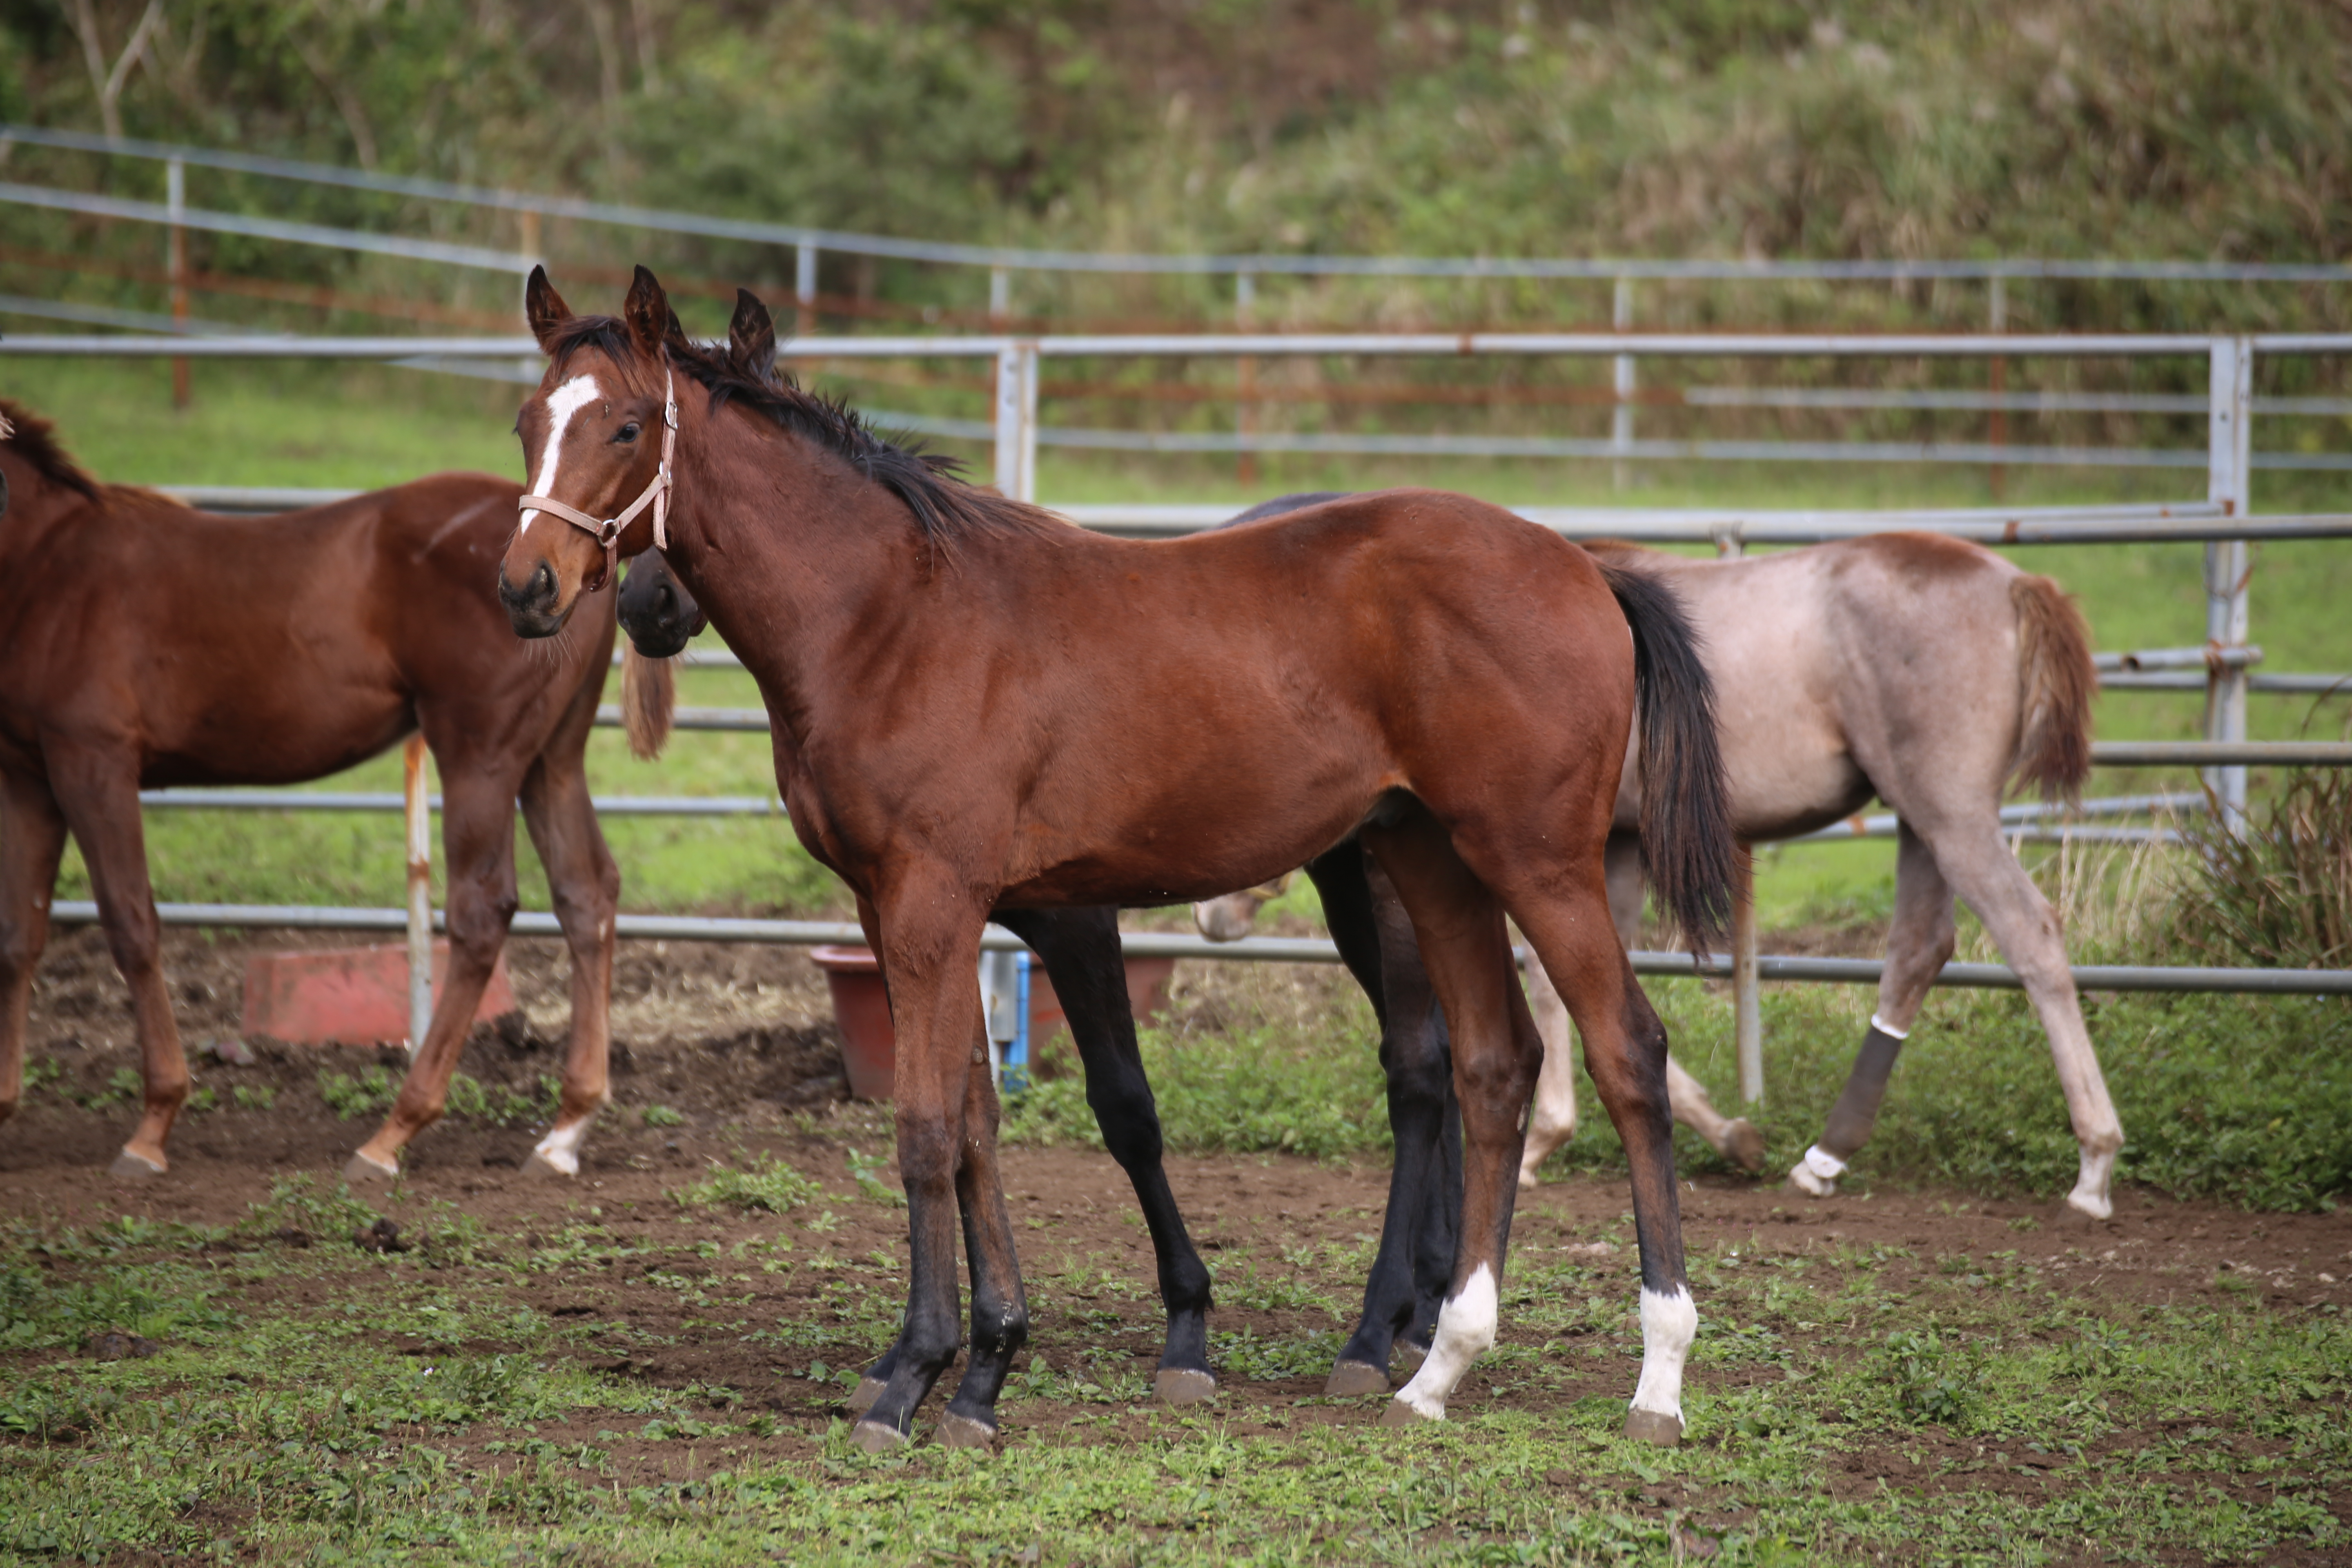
1669	1324
562	405
1465	1327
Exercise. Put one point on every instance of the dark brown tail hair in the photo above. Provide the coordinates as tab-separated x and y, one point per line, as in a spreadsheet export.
2056	680
648	697
1687	850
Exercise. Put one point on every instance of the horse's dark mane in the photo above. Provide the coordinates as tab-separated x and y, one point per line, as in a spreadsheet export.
945	505
35	439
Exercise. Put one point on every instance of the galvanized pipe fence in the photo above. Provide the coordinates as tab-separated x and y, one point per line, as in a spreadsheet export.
2222	521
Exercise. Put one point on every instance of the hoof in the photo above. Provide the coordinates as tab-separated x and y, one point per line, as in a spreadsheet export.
1351	1379
861	1398
131	1167
363	1168
1653	1426
1183	1385
1744	1146
539	1165
1411	1354
958	1431
876	1439
1528	1181
2094	1206
1801	1177
1399	1414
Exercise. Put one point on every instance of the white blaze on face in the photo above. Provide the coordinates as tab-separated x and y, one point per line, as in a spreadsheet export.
1465	1327
562	405
1669	1324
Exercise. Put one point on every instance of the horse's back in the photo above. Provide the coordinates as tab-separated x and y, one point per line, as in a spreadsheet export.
1885	665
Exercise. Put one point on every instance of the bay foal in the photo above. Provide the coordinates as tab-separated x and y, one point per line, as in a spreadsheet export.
143	644
975	706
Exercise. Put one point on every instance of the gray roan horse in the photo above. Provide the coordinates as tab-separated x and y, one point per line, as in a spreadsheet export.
1922	670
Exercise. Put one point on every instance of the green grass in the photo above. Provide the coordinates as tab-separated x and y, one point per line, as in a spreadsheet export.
281	1421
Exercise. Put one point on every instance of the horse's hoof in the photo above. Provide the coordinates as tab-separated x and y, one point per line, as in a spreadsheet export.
363	1168
1744	1145
134	1167
861	1398
1400	1413
959	1431
1352	1379
1411	1353
877	1438
1801	1177
1528	1181
2095	1205
540	1166
1183	1385
1653	1426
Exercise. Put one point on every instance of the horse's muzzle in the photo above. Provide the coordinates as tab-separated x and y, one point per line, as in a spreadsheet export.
531	607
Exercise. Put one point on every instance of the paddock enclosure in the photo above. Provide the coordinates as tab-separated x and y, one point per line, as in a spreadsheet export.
651	1361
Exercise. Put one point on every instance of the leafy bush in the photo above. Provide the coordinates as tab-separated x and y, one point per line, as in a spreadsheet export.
2277	891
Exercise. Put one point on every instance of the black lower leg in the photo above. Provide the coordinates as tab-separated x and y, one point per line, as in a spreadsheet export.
1436	1244
1079	948
1857	1111
927	1342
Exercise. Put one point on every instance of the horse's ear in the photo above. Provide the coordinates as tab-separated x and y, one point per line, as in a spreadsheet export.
543	308
652	323
752	336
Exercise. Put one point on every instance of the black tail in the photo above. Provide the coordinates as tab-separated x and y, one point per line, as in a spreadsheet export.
1687	850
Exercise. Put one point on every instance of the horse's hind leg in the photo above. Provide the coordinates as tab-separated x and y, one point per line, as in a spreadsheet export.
32	838
1625	1051
477	841
586	886
1417	1248
1918	947
1080	952
100	796
1980	869
1458	924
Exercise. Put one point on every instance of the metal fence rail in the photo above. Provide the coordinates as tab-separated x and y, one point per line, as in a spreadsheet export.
1262	950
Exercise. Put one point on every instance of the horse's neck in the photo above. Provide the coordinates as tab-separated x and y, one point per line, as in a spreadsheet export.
829	570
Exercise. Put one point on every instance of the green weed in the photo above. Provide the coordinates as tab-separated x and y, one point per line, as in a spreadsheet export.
769	1185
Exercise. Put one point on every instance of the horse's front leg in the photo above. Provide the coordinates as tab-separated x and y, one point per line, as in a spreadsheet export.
928	942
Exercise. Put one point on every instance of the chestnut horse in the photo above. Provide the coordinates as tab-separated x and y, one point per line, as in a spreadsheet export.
145	643
975	706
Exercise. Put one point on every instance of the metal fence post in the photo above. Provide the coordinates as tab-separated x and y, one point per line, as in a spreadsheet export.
1017	421
1245	377
176	197
2228	562
1621	415
1997	379
528	247
999	298
804	290
420	894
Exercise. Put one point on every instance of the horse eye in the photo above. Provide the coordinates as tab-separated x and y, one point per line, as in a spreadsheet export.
627	432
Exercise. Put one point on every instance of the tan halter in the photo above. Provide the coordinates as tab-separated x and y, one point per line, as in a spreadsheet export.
656	495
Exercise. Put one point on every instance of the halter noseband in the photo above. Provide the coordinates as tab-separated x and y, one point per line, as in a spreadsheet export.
656	495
